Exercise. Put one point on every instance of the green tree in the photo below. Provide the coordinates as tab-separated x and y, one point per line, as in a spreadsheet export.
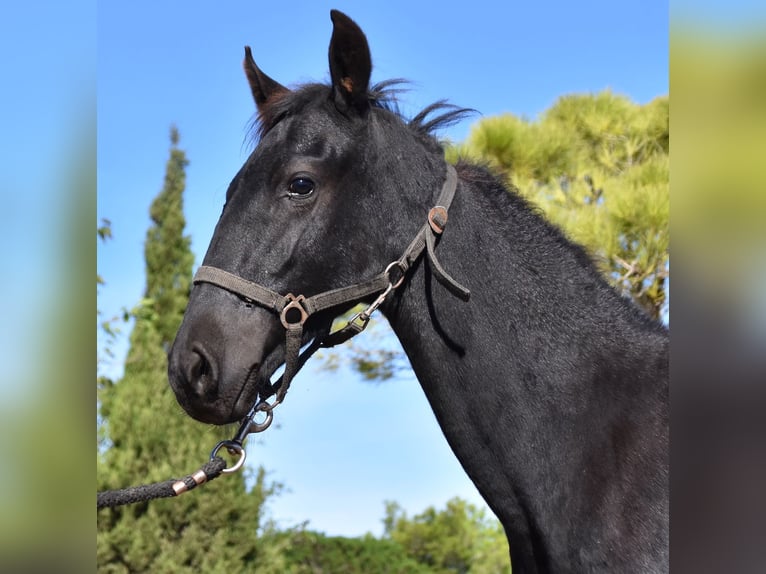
598	166
459	538
145	436
167	250
308	552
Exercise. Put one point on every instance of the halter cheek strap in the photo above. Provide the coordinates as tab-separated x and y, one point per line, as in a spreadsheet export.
295	310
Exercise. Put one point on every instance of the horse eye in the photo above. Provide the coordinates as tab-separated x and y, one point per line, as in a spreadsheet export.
301	187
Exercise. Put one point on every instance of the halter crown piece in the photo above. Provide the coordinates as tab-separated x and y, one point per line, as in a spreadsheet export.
295	310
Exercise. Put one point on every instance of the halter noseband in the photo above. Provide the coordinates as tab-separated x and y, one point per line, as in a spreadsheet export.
294	310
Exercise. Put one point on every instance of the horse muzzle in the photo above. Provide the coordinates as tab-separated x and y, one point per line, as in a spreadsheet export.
224	353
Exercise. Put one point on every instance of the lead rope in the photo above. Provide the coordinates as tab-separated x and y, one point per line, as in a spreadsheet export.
173	487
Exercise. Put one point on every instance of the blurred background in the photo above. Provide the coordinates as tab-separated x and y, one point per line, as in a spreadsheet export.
718	359
48	183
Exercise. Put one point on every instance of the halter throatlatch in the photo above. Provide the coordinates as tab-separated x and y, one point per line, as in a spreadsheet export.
294	310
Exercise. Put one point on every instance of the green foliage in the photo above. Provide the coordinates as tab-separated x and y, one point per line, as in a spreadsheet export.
308	552
104	230
459	538
167	250
145	437
597	165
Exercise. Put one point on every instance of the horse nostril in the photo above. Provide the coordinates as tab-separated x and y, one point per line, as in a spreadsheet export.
201	372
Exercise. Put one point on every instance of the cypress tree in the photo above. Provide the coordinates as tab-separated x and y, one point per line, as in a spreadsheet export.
149	438
167	250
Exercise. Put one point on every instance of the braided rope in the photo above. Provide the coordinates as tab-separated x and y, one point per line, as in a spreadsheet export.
173	487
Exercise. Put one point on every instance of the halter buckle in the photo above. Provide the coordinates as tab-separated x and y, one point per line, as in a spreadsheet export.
437	219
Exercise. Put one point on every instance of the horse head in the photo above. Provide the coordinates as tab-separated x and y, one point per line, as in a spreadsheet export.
325	199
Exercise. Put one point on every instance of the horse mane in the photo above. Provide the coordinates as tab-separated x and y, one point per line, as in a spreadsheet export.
382	96
506	199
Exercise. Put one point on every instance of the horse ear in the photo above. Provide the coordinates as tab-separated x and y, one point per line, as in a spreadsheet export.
350	62
264	88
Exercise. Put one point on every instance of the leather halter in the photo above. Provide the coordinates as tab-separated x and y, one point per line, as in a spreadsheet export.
295	310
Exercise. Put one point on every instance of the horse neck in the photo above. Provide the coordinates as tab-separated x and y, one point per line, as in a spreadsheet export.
543	383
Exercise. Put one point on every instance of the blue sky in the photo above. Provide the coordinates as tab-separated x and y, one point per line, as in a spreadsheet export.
342	446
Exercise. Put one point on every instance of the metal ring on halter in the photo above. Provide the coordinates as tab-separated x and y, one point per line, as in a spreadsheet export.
294	303
403	270
233	448
262	407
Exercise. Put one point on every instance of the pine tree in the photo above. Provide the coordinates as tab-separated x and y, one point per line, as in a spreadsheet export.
147	436
597	165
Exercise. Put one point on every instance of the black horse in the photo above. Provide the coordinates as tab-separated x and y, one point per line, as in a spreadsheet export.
551	389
